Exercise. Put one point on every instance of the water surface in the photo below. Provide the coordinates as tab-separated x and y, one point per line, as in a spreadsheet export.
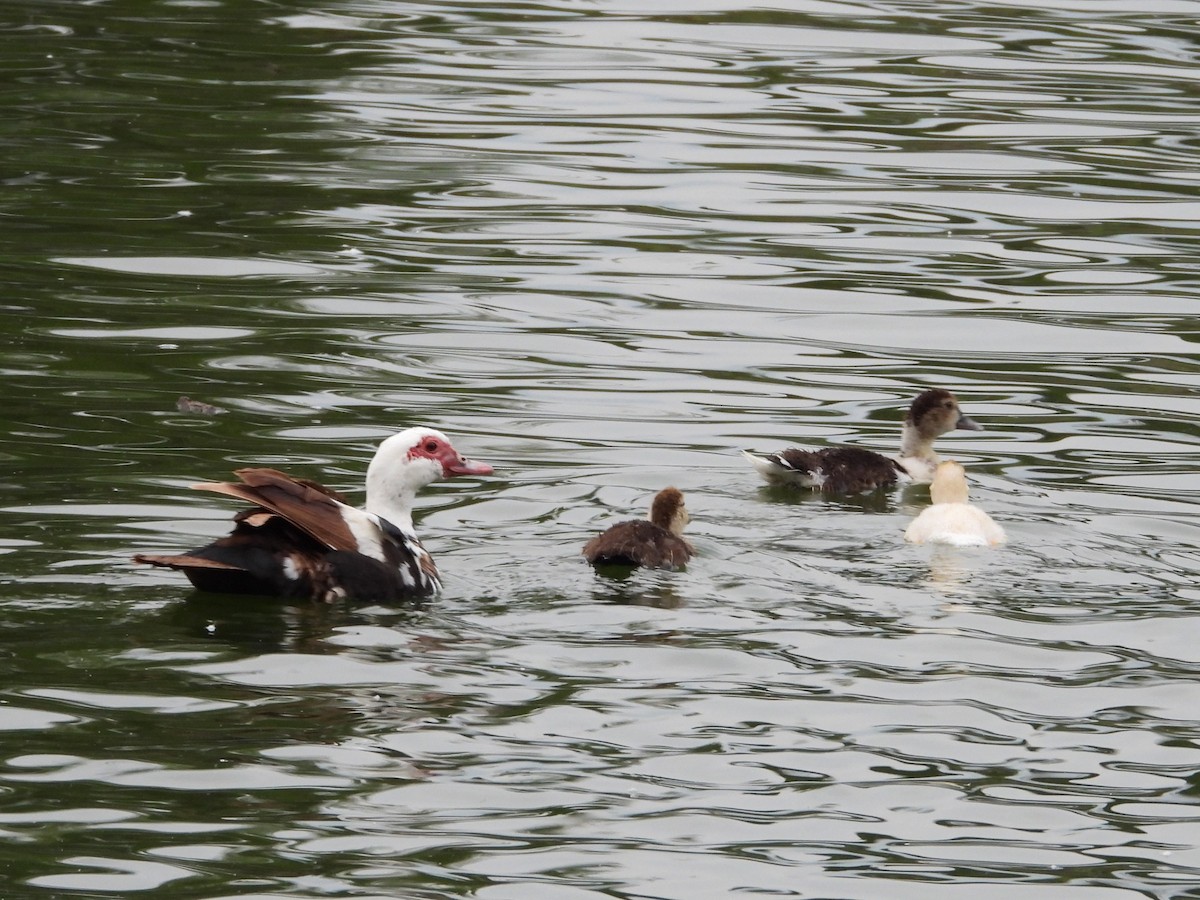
604	246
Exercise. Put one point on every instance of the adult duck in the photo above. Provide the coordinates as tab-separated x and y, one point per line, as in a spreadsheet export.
852	470
303	540
655	543
952	519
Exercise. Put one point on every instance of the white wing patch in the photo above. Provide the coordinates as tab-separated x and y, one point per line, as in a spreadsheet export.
777	470
406	576
367	533
290	570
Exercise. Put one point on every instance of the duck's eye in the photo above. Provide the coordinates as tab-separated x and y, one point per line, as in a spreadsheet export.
431	446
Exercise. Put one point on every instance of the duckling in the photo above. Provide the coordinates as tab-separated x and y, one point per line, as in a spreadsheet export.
656	543
952	519
852	470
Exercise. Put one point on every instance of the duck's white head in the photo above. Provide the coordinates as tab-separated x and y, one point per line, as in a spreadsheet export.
405	463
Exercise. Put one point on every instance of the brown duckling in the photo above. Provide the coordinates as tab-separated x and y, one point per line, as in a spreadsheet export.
656	542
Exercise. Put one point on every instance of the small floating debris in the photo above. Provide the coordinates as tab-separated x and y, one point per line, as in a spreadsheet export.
197	407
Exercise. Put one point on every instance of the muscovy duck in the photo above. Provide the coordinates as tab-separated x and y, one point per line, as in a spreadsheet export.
303	540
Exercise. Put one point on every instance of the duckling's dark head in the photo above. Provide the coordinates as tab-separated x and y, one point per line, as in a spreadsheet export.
668	510
936	411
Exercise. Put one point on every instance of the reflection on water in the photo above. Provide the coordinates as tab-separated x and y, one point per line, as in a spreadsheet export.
609	246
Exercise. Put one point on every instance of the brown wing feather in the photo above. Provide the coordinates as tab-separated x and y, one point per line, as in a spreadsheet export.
183	561
305	504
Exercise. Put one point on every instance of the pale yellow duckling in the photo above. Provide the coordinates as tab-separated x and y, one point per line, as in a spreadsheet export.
952	519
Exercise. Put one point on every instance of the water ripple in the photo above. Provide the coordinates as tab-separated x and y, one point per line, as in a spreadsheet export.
605	247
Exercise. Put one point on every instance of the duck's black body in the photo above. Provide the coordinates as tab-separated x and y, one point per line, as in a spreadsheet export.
303	541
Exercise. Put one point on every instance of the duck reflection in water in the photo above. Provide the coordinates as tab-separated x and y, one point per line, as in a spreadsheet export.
289	626
621	587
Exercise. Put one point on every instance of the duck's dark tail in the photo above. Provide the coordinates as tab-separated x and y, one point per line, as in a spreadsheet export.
210	574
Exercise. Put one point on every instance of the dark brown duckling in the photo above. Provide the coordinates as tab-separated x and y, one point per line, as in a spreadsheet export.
656	543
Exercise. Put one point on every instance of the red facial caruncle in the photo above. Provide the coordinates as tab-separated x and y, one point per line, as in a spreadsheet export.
452	462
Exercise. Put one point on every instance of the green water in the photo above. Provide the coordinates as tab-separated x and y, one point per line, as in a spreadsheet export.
603	247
